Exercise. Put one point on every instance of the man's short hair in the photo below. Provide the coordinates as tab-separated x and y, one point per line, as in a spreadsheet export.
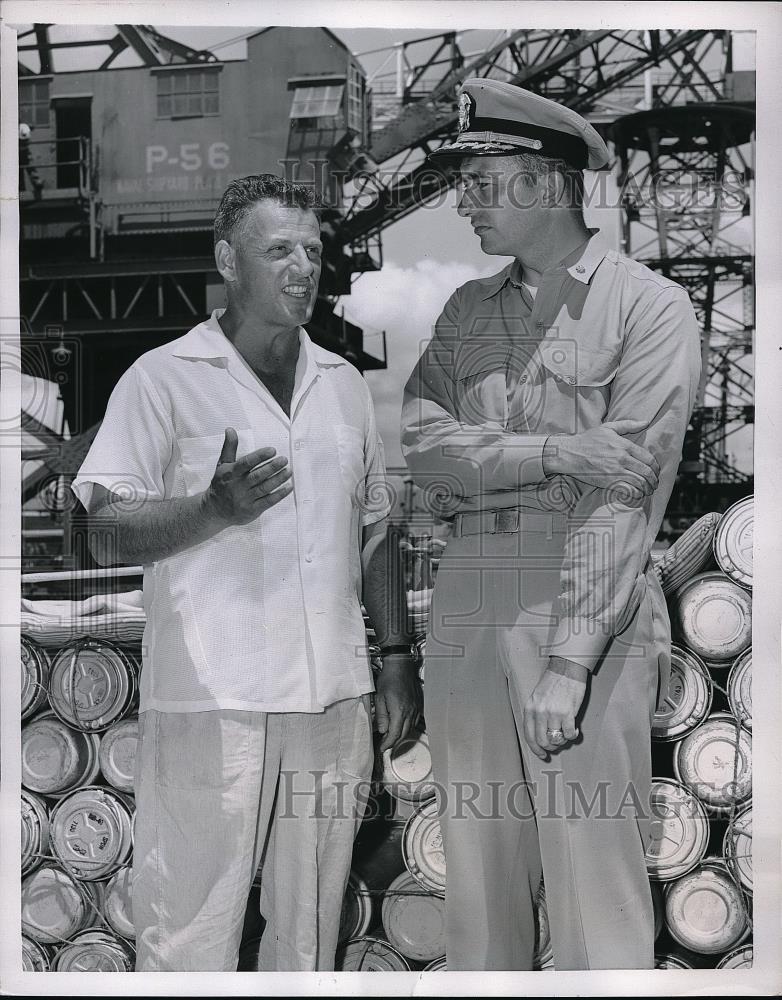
244	192
533	164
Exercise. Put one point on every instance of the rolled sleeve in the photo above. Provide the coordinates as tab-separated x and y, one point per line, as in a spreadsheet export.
447	455
133	445
609	535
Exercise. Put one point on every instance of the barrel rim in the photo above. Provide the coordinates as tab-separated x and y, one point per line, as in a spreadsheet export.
125	698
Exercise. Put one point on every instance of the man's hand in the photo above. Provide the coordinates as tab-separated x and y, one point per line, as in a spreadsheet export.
554	705
602	457
398	700
242	489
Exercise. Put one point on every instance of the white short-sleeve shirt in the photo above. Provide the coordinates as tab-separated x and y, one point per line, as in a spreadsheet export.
264	616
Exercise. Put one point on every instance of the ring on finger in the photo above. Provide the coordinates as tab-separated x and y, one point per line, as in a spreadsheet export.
556	736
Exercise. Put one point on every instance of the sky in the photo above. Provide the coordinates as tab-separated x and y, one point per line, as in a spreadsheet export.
426	255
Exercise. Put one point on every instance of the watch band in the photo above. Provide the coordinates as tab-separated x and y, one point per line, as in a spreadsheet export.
407	648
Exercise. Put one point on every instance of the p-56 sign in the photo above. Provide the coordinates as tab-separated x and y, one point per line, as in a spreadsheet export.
189	156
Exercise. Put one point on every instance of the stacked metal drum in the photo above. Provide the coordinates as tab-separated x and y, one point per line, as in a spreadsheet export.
701	851
79	733
78	748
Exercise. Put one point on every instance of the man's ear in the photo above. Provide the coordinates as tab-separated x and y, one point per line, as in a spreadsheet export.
225	259
553	186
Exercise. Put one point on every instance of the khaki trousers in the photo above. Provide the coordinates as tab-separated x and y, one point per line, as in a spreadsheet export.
582	817
218	793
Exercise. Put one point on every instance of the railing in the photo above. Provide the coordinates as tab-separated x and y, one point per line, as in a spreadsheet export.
62	165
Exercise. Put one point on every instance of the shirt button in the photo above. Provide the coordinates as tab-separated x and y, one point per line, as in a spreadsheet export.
297	444
571	379
308	559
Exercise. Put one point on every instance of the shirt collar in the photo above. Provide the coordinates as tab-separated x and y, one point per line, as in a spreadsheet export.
208	341
581	265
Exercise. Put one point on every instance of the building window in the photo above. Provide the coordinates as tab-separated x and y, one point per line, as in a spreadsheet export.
188	93
355	99
322	101
34	102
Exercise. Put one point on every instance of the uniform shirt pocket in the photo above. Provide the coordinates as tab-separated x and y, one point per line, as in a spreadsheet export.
481	395
571	363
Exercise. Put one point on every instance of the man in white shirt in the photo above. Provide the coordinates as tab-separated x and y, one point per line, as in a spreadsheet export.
241	465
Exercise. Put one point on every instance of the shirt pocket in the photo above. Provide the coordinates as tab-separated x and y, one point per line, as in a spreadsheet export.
198	458
350	449
481	395
570	363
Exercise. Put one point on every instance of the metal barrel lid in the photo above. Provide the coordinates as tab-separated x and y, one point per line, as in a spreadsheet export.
117	904
35	676
679	831
740	688
422	848
118	753
414	920
438	965
733	542
706	760
369	954
357	909
737	847
704	910
688	699
713	617
670	960
92	684
95	951
55	757
36	957
407	771
544	955
90	831
739	958
55	905
658	905
421	650
35	831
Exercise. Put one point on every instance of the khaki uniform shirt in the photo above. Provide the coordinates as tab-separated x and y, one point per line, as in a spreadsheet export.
605	339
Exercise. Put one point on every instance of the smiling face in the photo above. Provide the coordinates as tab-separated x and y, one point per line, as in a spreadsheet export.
503	203
274	264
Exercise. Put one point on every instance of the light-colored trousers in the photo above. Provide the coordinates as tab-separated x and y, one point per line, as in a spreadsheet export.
219	793
582	817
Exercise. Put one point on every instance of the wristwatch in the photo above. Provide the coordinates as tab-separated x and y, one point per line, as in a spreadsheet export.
408	648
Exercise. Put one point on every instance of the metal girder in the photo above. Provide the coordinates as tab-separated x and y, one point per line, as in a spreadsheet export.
158	50
152	48
65	459
44	47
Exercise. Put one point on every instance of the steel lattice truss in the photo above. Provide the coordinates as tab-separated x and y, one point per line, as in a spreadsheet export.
685	190
598	73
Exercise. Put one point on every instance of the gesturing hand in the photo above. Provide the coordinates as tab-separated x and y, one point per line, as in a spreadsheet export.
242	489
553	706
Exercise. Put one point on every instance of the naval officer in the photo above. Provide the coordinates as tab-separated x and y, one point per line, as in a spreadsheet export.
548	414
